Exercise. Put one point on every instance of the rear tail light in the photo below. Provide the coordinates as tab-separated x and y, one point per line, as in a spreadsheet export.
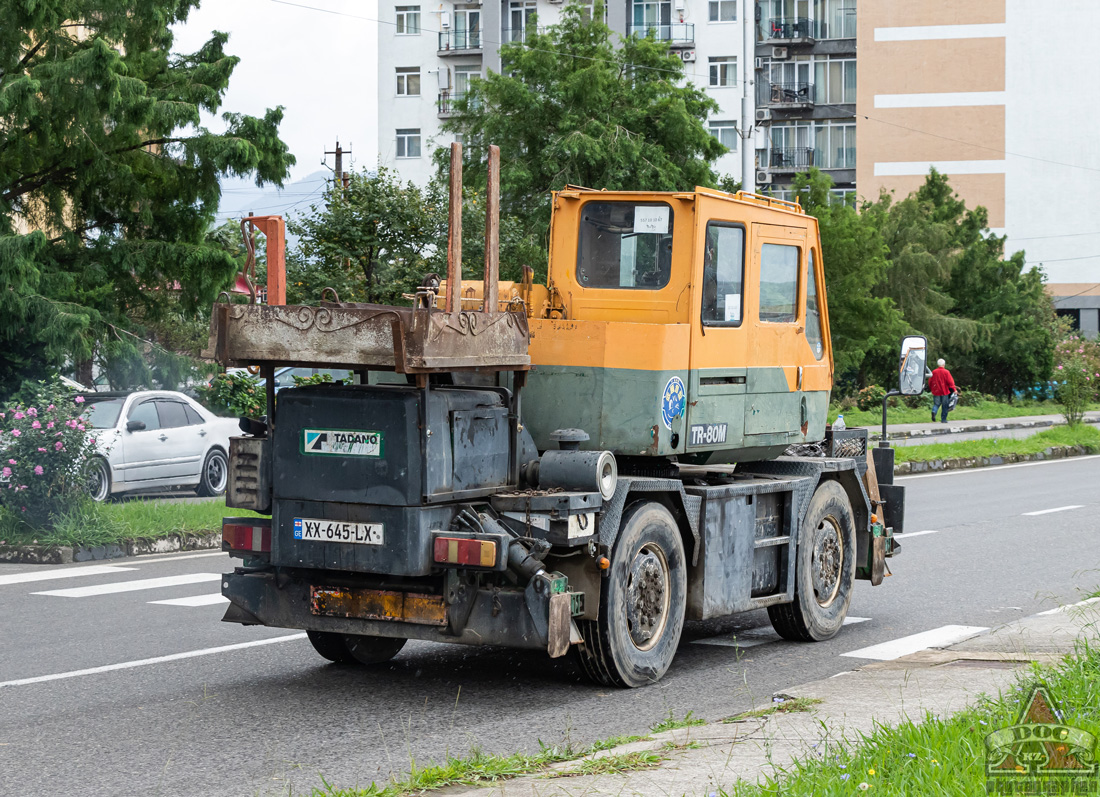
246	535
459	551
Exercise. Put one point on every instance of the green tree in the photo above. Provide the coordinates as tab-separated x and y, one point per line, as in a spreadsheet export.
108	181
574	108
861	320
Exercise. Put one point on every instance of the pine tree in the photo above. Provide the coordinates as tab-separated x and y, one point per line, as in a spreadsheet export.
108	181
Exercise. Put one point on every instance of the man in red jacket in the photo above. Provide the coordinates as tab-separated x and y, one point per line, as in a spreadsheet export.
942	386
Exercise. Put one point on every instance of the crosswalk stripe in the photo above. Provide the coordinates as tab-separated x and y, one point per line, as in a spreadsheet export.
195	600
131	586
66	572
937	637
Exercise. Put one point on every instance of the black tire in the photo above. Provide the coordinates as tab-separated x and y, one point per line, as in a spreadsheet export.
331	646
97	473
642	604
372	649
215	473
826	560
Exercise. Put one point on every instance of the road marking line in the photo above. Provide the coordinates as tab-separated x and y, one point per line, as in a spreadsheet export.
131	586
1056	509
129	665
1077	605
68	572
751	637
195	600
936	638
904	535
988	468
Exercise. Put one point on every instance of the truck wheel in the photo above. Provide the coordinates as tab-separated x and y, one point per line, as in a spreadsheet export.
642	605
826	560
331	646
372	649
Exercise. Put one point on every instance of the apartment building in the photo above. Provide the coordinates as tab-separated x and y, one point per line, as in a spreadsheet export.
429	52
997	94
805	93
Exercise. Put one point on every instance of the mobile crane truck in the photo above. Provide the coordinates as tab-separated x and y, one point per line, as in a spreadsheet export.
580	466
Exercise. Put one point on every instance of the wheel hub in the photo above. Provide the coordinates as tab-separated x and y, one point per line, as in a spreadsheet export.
828	558
647	596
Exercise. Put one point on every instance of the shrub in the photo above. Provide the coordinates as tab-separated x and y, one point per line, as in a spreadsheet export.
870	397
914	402
45	445
234	395
315	379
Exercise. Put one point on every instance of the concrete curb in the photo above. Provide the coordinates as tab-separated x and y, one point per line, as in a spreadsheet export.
972	428
66	554
960	463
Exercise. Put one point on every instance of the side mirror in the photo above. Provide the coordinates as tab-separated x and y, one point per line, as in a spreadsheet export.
135	426
911	371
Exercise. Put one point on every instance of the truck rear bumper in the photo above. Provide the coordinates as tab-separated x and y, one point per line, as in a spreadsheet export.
487	617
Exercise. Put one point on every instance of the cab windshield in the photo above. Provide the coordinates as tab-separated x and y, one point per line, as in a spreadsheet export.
625	245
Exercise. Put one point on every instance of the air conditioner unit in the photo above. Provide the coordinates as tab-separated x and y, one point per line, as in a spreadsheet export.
555	2
759	63
779	53
763	115
763	178
688	56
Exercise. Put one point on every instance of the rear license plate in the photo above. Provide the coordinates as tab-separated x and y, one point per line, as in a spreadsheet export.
337	531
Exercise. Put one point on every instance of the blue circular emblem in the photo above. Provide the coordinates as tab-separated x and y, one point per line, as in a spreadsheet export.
673	402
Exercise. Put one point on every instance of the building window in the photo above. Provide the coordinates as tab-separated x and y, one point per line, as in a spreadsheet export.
836	19
408	81
521	18
408	20
726	133
836	145
408	143
723	71
835	81
723	10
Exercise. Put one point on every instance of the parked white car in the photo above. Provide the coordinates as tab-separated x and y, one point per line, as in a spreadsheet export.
155	439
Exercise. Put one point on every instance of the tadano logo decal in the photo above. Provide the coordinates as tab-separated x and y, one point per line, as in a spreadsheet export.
342	442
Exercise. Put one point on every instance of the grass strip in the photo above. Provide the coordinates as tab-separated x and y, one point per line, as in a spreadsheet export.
984	410
1080	435
480	767
937	755
91	524
777	707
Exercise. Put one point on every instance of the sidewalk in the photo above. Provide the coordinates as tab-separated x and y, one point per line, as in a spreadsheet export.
941	681
895	431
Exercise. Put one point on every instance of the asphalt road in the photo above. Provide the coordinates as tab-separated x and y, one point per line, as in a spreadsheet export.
268	718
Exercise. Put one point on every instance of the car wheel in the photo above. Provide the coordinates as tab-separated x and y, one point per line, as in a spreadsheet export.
331	646
215	473
373	649
643	603
97	474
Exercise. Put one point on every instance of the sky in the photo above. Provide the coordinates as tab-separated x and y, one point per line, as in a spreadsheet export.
320	66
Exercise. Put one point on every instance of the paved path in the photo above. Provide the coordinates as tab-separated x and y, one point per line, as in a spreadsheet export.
954	431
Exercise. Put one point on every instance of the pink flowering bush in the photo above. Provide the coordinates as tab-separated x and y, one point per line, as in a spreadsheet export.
45	447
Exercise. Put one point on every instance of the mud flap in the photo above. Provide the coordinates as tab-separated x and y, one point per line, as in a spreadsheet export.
882	545
561	620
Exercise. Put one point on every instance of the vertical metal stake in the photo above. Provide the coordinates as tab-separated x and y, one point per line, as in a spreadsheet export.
454	233
491	291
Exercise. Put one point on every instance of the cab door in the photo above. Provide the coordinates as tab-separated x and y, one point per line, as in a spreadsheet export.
775	411
720	344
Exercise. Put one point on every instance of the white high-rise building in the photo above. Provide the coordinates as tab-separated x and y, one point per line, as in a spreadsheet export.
429	51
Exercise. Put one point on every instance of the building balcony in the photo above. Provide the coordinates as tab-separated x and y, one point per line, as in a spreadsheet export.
791	96
447	101
789	30
459	42
678	35
509	35
790	160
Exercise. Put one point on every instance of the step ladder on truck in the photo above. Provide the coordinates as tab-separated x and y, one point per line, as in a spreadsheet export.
577	467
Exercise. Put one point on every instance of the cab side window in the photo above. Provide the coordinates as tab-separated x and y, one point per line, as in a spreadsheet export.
778	283
723	274
813	310
146	412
